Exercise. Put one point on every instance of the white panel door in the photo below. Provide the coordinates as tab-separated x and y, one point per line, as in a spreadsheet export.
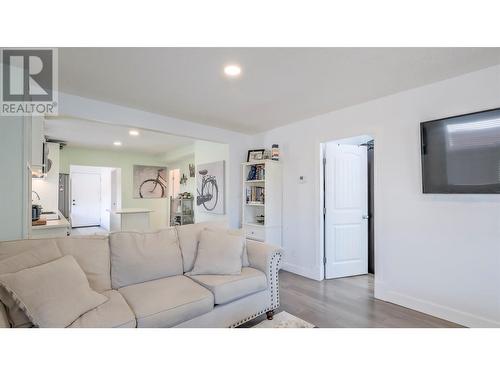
346	203
114	190
85	199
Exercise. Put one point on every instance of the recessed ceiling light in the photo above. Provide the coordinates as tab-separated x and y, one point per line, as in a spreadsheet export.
133	132
232	70
117	143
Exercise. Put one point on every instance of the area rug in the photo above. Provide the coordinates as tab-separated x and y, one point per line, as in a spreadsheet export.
284	320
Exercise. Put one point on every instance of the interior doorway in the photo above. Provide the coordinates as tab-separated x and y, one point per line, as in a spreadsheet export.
95	192
348	209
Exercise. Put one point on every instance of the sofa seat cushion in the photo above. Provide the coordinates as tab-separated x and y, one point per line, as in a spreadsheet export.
227	288
115	313
167	302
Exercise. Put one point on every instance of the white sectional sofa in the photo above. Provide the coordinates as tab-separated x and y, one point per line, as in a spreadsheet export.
145	277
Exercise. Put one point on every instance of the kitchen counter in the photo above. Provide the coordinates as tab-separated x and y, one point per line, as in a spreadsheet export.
53	228
61	223
130	219
130	211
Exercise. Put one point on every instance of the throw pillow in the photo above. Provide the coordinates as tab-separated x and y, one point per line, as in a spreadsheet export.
235	232
27	259
218	254
53	294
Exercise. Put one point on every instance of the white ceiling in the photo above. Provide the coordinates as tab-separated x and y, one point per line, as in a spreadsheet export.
278	85
82	133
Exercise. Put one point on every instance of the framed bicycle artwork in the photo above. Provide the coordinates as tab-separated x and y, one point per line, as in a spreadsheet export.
210	183
150	182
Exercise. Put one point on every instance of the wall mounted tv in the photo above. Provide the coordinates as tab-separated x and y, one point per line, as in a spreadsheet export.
461	154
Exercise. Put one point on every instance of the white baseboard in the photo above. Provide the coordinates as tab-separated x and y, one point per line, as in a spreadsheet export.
302	271
434	309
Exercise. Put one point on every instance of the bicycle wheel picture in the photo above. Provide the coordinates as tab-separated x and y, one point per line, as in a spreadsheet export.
151	189
149	182
210	189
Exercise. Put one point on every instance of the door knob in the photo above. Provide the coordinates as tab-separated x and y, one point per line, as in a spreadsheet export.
366	217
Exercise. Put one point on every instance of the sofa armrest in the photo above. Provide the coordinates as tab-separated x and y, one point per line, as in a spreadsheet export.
266	258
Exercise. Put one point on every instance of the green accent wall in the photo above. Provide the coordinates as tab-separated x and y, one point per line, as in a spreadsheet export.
125	161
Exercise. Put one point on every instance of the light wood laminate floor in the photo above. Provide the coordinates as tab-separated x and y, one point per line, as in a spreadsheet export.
346	303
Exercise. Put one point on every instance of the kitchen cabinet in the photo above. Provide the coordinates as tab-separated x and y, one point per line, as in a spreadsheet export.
37	145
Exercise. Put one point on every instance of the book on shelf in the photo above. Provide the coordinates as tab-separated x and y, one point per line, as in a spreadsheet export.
255	194
257	172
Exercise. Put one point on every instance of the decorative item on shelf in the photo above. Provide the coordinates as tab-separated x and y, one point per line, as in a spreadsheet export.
255	194
256	172
191	170
255	155
275	152
268	154
181	209
260	219
183	179
185	195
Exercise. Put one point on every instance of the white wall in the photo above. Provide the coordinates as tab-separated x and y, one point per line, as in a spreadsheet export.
181	161
237	143
48	187
14	178
208	152
439	254
124	161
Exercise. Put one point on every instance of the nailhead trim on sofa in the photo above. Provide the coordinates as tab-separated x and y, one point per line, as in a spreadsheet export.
273	275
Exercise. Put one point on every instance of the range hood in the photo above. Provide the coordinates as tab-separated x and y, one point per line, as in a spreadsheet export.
40	170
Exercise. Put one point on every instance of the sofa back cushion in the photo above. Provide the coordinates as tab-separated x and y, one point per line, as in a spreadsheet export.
189	235
91	252
93	255
139	257
9	249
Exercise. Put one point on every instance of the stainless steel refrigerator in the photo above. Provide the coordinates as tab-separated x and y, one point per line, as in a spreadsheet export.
64	194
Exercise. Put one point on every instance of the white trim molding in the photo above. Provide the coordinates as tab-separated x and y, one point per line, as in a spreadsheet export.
314	274
431	308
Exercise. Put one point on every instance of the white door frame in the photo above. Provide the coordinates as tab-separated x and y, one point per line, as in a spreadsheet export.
99	190
321	190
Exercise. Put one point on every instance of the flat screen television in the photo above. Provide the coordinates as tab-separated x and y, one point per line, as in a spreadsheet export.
461	154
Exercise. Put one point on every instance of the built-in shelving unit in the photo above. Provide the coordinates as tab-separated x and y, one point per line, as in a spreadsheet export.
181	211
262	201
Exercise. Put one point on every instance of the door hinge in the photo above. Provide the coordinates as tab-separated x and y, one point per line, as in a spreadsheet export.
324	161
324	260
324	211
